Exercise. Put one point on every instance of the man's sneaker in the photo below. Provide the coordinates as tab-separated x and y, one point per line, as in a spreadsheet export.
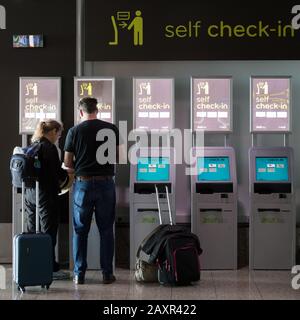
108	278
78	279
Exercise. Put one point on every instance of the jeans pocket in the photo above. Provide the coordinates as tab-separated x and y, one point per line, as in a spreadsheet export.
79	197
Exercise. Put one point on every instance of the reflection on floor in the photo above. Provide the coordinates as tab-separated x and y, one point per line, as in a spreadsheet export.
240	284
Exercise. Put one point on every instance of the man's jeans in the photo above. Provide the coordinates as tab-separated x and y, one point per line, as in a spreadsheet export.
93	196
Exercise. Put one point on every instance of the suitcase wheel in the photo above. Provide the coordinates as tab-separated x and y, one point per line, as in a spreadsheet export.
46	286
22	289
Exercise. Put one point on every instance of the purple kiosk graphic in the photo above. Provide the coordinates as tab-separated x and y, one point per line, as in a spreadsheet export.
153	104
103	89
211	99
272	217
270	104
100	88
214	181
152	175
40	99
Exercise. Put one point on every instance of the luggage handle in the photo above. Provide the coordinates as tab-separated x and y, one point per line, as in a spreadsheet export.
37	207
158	205
23	209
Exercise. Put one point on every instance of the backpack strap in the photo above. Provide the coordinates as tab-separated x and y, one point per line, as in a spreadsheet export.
33	149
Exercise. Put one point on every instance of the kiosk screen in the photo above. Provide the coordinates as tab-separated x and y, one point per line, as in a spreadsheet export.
153	169
213	169
272	169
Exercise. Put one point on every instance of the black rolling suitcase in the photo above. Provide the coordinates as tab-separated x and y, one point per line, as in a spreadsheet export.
33	261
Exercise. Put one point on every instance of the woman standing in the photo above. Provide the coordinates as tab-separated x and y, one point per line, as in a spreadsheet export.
52	175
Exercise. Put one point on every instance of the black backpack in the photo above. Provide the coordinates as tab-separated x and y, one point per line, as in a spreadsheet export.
25	165
175	251
178	259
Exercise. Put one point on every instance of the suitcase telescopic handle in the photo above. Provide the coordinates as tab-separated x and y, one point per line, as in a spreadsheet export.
169	206
23	207
37	207
158	205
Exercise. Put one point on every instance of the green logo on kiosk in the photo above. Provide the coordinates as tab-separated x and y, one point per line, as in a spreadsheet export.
2	18
125	21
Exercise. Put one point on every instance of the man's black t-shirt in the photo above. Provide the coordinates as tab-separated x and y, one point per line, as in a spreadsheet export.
81	140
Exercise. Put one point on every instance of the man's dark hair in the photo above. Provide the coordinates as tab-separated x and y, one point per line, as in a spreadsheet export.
88	105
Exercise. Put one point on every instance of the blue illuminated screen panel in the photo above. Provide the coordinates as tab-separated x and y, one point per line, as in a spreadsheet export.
153	169
272	169
213	169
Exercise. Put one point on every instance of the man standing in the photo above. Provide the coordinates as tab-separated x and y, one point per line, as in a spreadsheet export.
94	190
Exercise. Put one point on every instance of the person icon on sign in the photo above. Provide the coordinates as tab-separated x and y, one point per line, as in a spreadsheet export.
137	25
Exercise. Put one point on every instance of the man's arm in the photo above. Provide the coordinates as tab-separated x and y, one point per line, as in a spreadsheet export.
121	154
69	161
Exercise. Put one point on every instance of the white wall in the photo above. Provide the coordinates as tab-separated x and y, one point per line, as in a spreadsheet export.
240	140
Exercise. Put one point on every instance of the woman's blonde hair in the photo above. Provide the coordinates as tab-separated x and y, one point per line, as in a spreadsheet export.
45	127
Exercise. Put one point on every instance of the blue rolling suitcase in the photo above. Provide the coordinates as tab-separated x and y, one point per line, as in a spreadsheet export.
33	261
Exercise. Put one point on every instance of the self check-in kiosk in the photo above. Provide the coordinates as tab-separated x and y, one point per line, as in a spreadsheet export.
272	213
152	179
214	206
152	170
272	208
103	89
213	175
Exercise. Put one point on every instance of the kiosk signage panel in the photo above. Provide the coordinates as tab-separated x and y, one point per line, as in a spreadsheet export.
40	99
153	104
100	88
272	169
211	104
213	169
270	104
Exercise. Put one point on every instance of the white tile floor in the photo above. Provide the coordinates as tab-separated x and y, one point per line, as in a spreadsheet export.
214	285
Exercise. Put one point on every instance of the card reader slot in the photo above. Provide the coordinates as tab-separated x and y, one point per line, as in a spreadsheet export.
210	188
268	210
149	188
210	210
268	188
147	210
